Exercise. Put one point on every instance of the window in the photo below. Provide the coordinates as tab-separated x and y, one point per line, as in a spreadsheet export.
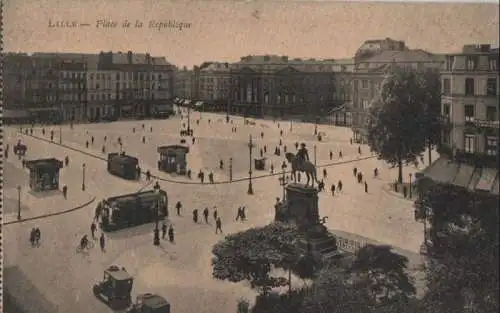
341	82
446	110
469	86
491	113
493	64
92	97
469	143
364	84
450	60
446	137
471	63
491	87
446	86
97	86
469	112
491	146
365	104
91	76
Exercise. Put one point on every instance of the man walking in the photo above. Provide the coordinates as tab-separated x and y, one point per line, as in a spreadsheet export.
102	242
218	226
205	215
178	206
93	228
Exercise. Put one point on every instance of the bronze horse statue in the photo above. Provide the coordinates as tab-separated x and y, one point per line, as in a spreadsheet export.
303	166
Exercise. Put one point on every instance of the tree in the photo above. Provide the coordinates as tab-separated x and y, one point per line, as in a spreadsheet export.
395	118
463	259
432	125
386	273
250	255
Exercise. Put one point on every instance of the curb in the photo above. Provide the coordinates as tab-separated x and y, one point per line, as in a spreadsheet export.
50	214
198	183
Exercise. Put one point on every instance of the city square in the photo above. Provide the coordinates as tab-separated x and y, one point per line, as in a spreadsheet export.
379	215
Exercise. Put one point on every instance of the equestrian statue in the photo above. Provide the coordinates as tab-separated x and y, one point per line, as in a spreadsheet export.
300	162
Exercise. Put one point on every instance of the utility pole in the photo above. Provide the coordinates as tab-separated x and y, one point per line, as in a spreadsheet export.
315	155
230	169
250	148
83	176
18	202
156	232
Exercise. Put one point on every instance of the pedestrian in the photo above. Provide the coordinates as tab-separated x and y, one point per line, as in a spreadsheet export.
193	140
205	215
178	206
375	172
265	149
355	171
66	161
298	176
93	228
261	152
339	185
284	149
133	130
350	140
92	139
340	154
102	242
281	142
272	168
366	187
142	126
215	213
218	226
262	135
65	191
324	173
360	177
331	155
243	215
171	233
211	177
143	139
148	175
163	230
281	132
195	215
105	138
332	189
359	149
151	130
87	144
238	213
38	236
221	165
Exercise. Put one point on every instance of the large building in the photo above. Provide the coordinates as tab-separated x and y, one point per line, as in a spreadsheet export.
75	86
183	83
370	71
278	86
213	82
470	101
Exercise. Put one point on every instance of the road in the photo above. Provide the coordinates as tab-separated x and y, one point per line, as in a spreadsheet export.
181	272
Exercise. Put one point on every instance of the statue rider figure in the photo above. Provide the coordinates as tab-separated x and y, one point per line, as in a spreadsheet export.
302	154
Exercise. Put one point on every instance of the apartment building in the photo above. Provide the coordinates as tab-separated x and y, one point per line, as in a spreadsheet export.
470	101
369	73
183	83
213	83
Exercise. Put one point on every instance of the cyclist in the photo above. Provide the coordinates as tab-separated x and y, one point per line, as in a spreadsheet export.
84	242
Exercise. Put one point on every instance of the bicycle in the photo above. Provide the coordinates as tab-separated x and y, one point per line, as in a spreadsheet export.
87	247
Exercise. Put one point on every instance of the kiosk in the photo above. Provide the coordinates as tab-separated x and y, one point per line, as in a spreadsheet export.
44	174
173	158
260	164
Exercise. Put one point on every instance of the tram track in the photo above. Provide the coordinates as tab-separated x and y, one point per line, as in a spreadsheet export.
193	182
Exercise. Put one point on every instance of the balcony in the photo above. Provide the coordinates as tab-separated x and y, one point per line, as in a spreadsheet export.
486	123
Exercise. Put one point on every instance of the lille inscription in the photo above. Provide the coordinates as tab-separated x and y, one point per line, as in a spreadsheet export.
112	24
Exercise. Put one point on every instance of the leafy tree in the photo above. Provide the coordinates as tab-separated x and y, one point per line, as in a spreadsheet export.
395	118
464	255
386	272
250	255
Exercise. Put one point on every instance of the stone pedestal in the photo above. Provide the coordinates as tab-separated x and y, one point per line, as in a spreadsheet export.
301	209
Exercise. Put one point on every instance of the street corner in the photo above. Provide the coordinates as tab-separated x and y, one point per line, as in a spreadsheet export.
21	205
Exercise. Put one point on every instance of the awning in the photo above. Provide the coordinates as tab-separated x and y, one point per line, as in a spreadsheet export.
15	114
487	179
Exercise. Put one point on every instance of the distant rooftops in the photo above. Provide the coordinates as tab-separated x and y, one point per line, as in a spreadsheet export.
404	56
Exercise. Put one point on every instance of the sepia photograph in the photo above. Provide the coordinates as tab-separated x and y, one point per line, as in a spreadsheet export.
169	156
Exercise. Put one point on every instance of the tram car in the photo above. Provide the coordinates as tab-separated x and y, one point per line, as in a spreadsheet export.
133	209
124	166
163	110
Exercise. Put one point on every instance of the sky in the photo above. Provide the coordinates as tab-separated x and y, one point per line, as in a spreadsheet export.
227	30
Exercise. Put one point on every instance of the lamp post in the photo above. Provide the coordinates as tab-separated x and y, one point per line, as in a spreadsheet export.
283	180
60	126
250	148
18	202
230	169
410	183
189	119
83	176
291	123
156	232
227	111
315	155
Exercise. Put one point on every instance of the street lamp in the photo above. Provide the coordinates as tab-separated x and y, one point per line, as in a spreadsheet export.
156	232
189	119
83	176
230	169
315	155
410	183
250	147
291	121
18	202
283	180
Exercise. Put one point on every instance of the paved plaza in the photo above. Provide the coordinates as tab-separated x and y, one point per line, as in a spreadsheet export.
181	272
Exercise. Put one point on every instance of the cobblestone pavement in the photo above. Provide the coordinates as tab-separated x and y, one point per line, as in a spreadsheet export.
182	272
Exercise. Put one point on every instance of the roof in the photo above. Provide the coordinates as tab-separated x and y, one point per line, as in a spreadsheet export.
153	301
123	157
118	273
407	56
133	196
49	162
165	149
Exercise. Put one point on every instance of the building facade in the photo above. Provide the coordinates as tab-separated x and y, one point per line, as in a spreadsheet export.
183	83
276	86
213	82
470	101
17	72
369	73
